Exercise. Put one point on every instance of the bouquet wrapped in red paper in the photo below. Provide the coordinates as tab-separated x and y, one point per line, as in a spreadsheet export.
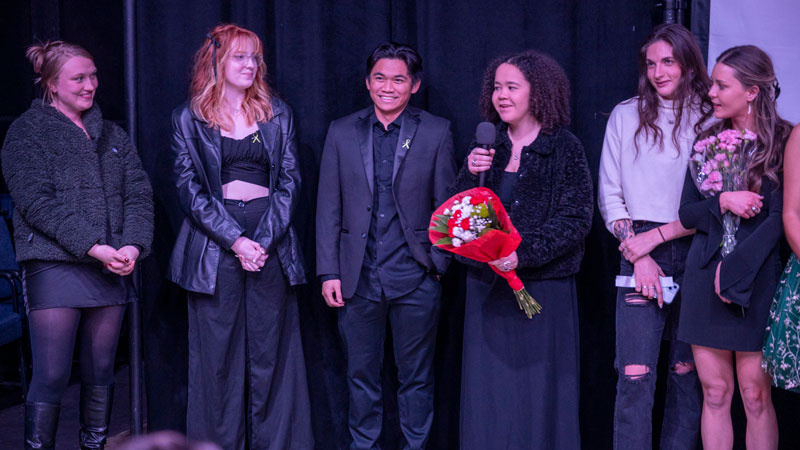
475	225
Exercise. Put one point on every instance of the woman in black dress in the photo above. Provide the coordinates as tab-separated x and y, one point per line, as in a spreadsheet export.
237	253
727	301
84	216
519	375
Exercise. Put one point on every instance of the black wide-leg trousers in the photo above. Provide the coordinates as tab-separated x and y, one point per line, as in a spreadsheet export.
247	378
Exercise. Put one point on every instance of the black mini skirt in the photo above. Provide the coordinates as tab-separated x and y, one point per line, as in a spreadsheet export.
49	284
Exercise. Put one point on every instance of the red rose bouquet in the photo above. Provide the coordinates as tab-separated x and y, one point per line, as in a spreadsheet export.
475	225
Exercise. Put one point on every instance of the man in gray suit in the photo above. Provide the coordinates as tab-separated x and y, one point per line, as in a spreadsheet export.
384	171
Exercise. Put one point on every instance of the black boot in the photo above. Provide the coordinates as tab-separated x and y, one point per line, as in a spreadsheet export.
41	421
95	415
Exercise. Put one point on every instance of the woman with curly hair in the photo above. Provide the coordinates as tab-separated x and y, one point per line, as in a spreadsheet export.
236	172
83	218
727	298
520	376
645	154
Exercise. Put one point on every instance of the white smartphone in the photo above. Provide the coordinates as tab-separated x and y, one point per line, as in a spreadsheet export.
668	287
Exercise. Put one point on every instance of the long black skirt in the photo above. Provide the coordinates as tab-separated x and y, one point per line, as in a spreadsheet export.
519	376
247	376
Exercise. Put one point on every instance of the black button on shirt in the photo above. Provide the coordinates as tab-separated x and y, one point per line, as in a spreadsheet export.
389	267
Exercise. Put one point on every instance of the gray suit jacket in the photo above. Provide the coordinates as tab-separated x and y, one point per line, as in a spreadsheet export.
424	167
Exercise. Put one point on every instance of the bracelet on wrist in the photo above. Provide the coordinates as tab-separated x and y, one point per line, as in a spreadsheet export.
663	239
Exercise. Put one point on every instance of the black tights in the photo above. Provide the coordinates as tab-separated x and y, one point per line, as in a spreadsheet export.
53	333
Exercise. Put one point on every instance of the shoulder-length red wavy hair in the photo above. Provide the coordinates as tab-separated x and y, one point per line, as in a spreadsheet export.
207	90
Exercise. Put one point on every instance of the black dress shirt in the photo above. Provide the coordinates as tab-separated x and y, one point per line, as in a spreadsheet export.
389	268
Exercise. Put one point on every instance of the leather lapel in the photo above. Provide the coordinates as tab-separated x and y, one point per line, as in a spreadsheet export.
271	134
211	157
364	135
408	128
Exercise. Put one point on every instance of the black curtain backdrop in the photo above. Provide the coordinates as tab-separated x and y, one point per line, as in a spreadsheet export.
315	51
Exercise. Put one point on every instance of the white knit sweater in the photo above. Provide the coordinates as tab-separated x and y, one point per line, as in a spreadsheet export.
647	185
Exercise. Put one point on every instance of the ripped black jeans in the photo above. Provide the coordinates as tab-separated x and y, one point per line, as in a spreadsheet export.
641	328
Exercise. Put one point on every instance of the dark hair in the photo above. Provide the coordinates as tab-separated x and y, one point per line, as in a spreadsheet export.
403	52
691	90
549	101
753	67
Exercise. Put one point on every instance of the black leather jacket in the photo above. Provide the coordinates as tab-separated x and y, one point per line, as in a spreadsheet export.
208	228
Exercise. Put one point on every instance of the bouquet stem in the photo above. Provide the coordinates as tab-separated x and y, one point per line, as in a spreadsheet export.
730	224
527	303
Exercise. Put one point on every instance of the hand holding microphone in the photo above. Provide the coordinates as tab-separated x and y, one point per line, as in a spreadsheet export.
480	158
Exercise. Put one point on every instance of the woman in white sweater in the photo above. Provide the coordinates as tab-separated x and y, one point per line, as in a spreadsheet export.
645	154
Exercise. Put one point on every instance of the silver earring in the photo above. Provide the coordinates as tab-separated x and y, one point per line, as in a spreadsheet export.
748	108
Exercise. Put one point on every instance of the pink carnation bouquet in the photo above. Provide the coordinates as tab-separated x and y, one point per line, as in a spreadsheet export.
718	164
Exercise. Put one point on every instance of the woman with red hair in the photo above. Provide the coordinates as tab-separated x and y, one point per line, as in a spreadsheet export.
237	253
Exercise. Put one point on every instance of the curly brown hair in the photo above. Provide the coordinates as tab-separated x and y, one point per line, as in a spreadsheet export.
549	102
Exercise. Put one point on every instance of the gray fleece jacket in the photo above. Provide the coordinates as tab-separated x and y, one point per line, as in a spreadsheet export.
71	192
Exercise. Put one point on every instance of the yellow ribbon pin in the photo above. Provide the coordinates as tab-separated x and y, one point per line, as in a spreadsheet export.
407	144
255	138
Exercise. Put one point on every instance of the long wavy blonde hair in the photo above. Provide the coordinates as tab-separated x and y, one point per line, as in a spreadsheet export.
207	90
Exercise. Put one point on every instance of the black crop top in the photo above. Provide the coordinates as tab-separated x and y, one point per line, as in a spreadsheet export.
245	159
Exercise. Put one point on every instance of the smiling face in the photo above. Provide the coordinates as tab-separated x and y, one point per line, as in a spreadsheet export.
729	96
663	71
512	93
241	65
75	86
390	87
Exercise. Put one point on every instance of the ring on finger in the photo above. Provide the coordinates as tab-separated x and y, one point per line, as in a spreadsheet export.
754	209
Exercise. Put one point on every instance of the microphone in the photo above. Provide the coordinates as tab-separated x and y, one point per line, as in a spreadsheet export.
484	136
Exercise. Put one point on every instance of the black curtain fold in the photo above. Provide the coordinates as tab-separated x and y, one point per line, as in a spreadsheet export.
316	53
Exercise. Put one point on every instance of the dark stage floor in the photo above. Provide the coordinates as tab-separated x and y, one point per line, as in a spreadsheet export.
12	415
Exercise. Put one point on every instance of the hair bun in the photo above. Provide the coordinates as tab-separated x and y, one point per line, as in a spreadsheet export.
37	53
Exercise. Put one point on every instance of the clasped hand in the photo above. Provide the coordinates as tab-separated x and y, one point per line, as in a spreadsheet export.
507	263
251	254
635	247
646	272
120	262
744	204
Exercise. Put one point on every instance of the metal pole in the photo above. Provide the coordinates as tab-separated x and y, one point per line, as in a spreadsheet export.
670	11
675	11
134	310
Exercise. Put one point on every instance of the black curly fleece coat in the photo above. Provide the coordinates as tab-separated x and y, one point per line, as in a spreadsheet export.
71	192
551	204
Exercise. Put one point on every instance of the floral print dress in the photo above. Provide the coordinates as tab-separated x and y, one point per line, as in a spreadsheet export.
782	337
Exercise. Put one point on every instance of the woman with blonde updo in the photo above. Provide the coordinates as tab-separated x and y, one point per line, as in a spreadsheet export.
83	217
